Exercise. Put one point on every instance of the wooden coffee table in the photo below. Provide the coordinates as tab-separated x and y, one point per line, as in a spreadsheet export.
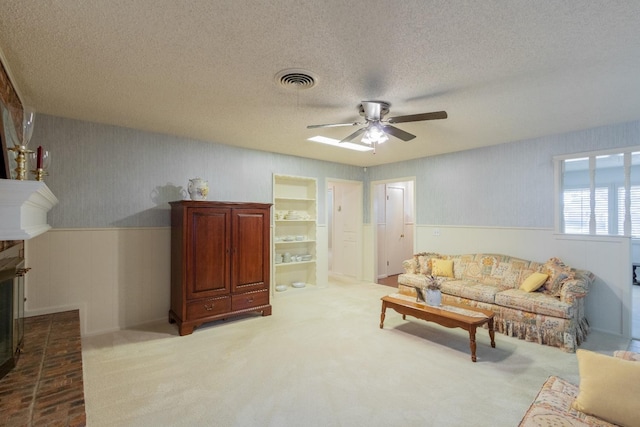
449	315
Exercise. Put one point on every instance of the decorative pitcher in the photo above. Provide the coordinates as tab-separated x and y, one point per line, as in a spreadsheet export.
198	189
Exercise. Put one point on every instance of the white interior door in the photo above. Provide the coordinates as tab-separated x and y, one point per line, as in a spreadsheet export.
347	226
395	230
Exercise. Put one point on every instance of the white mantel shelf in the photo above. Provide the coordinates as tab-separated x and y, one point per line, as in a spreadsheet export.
23	208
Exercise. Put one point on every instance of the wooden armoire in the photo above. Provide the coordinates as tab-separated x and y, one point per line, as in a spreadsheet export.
220	262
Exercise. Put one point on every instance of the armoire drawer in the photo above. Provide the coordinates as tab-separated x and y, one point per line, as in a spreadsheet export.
208	307
249	299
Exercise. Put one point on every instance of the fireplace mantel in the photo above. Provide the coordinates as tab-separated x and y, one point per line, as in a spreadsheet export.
23	208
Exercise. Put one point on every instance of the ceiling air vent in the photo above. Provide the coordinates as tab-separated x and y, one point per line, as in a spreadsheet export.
296	79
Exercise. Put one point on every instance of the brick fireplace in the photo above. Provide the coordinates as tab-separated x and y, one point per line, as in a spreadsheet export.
11	304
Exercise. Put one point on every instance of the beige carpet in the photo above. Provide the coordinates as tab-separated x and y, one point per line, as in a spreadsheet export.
319	360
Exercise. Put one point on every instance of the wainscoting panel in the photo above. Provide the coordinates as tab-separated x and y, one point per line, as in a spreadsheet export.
117	277
120	277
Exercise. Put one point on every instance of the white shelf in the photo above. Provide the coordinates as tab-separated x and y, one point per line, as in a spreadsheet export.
287	264
298	194
294	199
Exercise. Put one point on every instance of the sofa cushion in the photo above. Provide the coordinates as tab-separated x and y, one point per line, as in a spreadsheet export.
471	290
558	273
412	280
442	267
534	302
609	387
493	269
425	263
552	407
533	282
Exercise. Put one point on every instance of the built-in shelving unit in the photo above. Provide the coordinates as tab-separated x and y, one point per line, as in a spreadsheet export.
294	241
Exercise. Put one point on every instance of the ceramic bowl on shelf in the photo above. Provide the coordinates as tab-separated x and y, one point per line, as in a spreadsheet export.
281	288
298	284
305	258
300	238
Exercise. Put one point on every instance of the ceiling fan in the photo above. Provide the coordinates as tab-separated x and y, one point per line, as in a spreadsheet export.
376	129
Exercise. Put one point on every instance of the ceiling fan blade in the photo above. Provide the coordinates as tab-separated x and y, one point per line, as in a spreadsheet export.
334	125
354	135
398	133
418	117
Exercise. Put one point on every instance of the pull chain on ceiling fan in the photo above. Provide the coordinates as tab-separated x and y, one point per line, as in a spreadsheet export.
376	129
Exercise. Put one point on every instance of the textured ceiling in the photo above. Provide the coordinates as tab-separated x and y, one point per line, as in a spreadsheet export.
503	70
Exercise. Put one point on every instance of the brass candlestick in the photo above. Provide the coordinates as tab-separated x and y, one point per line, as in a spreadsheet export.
41	162
21	160
39	173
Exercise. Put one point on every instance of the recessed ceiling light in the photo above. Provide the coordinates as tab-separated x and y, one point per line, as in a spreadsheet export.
337	143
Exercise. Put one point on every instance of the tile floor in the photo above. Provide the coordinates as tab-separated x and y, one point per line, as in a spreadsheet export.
46	387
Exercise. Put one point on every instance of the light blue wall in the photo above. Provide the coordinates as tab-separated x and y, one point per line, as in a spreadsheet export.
507	185
108	176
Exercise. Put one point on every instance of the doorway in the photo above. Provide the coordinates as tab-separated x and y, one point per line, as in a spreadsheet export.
344	219
394	219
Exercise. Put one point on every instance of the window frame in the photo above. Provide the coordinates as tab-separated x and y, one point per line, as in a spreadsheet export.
558	166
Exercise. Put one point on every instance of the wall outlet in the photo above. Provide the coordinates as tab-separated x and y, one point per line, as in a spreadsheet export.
436	232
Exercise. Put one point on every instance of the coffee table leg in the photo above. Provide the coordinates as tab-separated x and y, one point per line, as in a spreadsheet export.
384	309
492	333
472	342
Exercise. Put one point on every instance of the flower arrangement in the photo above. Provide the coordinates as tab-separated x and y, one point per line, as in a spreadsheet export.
433	284
432	292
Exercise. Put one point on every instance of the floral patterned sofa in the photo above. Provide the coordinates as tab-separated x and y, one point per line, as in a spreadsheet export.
552	315
555	403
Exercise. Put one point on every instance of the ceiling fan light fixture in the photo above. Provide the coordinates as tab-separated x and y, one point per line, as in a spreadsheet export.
377	129
374	135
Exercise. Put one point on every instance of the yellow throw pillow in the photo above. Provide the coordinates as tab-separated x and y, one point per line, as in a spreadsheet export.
442	267
533	282
609	388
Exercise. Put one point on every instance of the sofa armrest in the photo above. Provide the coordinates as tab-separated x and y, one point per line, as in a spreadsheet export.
573	289
410	266
627	355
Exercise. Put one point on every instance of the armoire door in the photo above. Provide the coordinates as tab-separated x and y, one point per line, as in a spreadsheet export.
208	252
250	250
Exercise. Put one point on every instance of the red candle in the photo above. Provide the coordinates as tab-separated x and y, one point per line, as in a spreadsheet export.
39	158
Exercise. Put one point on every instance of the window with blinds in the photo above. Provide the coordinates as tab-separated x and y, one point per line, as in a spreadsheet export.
577	210
593	193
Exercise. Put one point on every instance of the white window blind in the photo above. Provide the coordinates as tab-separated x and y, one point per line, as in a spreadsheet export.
577	210
592	193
